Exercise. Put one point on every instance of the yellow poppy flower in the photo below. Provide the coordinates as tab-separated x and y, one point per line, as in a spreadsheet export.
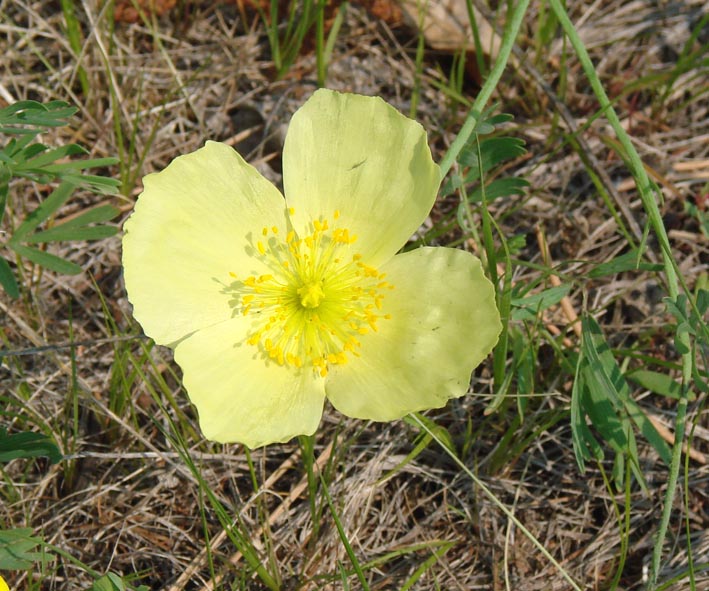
273	304
3	585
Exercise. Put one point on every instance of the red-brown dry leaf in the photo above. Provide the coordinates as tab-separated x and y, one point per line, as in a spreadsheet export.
126	11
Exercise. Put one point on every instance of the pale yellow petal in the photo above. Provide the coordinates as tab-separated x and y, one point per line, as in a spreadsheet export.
193	224
444	322
242	397
360	157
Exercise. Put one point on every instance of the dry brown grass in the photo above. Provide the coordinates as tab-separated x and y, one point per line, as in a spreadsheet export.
126	501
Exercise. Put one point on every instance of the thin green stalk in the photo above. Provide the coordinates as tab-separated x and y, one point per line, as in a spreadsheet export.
500	353
649	203
488	88
321	64
687	519
323	48
477	43
699	568
273	38
623	520
343	537
205	533
426	565
76	42
497	502
67	556
307	450
233	526
332	35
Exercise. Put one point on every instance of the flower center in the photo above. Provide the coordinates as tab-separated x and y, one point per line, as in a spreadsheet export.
316	300
311	294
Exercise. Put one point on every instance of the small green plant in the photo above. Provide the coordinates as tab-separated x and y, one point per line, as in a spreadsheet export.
480	157
24	157
27	445
286	39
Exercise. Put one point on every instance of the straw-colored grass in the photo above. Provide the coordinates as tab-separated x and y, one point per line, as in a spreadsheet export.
132	495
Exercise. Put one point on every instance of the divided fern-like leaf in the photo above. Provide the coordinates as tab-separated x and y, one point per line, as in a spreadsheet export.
23	157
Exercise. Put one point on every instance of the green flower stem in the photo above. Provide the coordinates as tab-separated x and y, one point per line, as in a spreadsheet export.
488	88
650	204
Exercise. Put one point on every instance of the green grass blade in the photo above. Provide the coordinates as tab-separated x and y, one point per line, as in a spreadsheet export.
488	493
7	280
647	195
343	537
76	41
425	565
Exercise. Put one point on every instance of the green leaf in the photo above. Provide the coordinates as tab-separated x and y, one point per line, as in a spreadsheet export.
15	550
585	445
452	184
483	128
82	164
30	152
14	147
611	404
108	582
27	445
524	356
102	213
440	432
45	209
49	261
481	159
678	308
625	262
60	233
24	117
607	374
97	184
500	118
604	385
598	397
645	426
528	307
425	566
656	382
7	280
499	188
42	162
4	189
493	152
682	329
14	108
699	379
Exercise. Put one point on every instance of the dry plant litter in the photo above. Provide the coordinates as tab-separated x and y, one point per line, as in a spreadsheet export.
130	496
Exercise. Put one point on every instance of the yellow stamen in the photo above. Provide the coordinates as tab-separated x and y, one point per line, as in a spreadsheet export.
316	299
